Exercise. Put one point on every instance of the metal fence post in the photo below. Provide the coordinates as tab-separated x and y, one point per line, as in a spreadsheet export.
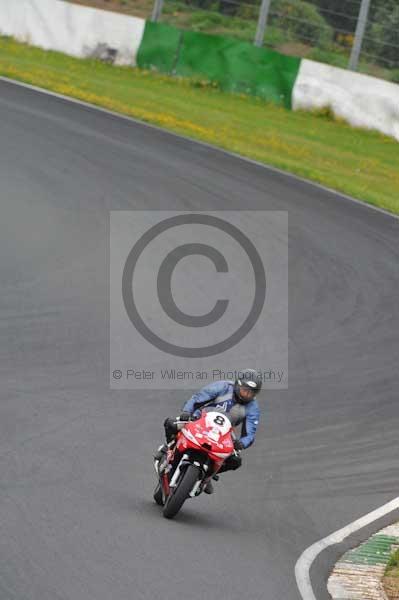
157	10
360	29
262	21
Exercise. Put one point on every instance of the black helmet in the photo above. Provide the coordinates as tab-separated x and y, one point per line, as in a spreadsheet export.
248	379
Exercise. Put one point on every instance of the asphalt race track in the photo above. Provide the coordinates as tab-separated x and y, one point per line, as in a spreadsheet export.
77	521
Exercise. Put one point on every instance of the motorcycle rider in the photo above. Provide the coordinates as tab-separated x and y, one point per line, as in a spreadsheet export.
238	400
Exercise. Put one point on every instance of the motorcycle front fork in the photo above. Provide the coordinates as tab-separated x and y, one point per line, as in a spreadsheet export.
175	477
169	485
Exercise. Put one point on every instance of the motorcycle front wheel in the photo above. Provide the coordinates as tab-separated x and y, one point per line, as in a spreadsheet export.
158	496
177	498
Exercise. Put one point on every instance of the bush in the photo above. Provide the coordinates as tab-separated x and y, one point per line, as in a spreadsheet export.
383	39
228	8
394	75
204	4
205	20
248	11
275	36
332	57
302	20
341	14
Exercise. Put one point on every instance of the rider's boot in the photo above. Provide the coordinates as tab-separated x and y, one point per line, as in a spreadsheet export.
208	489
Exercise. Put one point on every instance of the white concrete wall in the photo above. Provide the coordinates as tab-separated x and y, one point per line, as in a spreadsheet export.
76	30
361	100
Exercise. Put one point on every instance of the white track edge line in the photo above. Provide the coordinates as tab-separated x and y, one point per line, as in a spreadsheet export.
302	567
201	143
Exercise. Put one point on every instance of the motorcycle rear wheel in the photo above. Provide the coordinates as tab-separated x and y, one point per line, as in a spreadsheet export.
177	498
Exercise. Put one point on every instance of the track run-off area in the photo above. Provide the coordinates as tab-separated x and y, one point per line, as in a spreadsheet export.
77	520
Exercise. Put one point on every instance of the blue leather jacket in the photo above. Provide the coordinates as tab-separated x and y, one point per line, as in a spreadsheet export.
221	394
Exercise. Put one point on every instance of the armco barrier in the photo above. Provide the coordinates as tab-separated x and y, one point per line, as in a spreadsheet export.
236	66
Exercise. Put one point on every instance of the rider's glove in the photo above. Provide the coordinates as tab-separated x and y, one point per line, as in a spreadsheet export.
185	416
238	445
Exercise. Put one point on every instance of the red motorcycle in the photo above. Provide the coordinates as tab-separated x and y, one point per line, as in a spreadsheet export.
192	459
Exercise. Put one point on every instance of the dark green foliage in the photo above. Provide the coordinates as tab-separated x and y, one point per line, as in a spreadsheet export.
302	20
340	14
383	36
395	75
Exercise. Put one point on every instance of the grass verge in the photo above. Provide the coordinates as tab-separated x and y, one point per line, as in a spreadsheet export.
391	577
360	163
